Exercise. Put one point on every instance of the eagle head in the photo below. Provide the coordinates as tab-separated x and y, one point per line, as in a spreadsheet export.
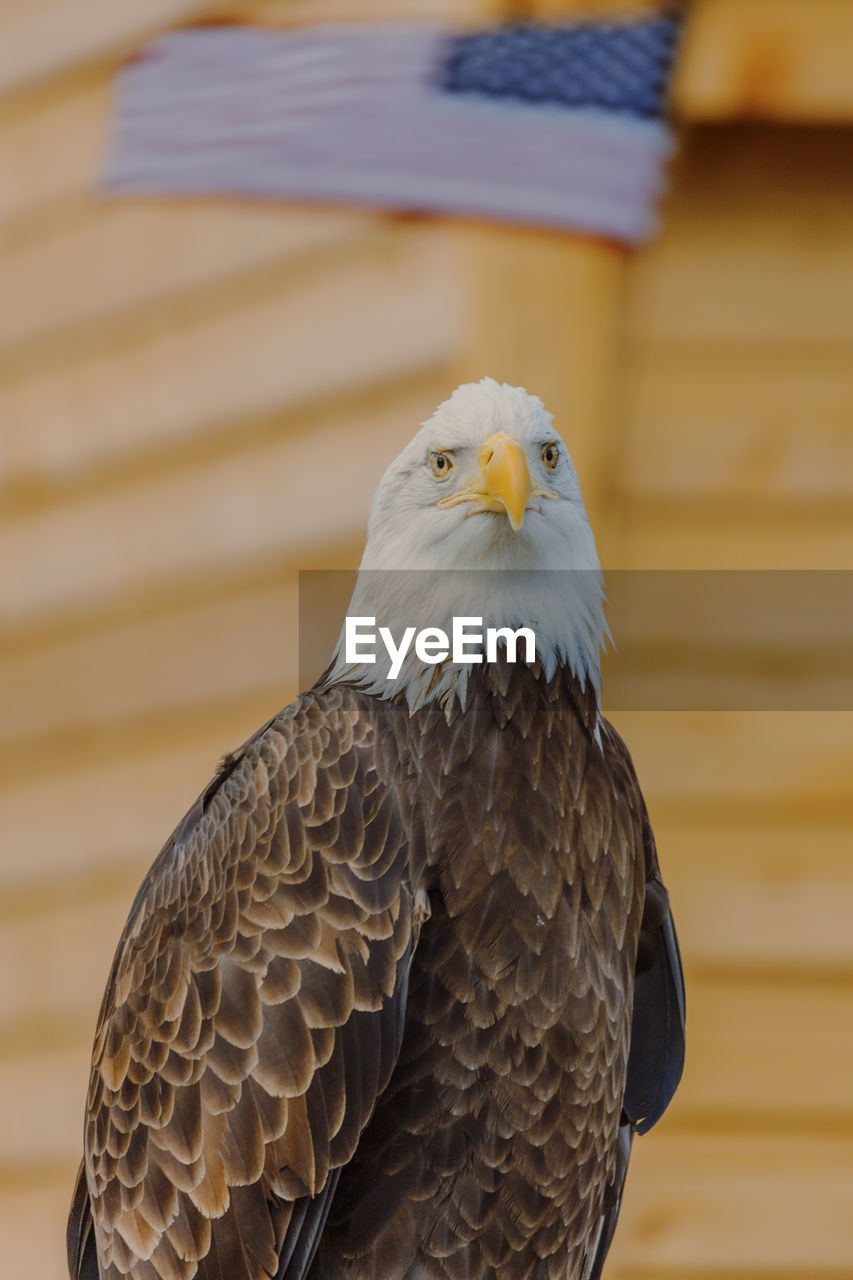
480	515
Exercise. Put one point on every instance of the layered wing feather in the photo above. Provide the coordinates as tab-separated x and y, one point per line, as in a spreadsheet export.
656	1055
254	1011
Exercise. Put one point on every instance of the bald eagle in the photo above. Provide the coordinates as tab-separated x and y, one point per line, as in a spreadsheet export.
403	984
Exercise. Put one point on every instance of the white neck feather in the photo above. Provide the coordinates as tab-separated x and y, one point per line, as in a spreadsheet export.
563	607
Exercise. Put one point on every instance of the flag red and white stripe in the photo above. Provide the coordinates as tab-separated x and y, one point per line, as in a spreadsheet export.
358	114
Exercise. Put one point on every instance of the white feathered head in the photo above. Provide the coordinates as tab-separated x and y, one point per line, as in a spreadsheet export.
480	515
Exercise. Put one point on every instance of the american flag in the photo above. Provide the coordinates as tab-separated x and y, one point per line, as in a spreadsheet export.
557	125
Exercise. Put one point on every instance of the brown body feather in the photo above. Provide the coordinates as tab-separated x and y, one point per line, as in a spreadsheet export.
371	1013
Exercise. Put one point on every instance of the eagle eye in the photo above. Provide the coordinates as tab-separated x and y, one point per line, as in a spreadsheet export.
441	464
550	455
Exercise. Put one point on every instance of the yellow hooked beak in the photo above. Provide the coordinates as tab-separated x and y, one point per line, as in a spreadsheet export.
505	478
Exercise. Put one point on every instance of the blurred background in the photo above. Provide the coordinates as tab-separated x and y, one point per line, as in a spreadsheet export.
174	376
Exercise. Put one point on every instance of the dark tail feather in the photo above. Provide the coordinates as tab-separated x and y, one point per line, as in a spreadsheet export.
80	1236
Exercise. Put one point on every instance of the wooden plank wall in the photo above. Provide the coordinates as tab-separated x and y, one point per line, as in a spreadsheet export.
169	377
731	442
